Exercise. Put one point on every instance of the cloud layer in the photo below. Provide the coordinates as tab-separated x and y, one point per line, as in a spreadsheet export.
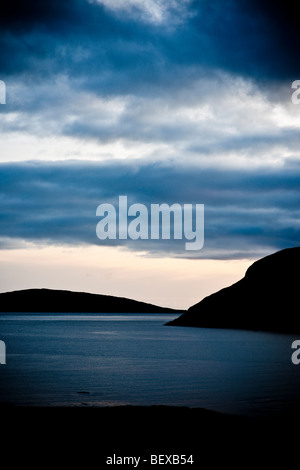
176	101
246	213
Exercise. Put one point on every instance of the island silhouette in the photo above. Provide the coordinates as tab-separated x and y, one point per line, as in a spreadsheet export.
64	301
265	299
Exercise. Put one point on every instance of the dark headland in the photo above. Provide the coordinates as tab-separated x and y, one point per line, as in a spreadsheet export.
265	299
63	301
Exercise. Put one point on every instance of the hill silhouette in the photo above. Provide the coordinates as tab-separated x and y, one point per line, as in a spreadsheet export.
63	301
266	299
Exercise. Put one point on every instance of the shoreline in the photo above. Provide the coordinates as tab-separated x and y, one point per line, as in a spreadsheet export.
83	435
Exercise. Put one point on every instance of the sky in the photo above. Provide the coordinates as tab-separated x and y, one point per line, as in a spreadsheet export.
186	102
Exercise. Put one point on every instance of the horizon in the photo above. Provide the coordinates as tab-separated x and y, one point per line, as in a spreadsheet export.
187	103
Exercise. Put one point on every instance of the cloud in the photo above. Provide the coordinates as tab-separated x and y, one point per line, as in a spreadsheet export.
174	101
153	11
246	213
210	120
77	37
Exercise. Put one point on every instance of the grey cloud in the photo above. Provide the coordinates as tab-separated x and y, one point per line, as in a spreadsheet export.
245	212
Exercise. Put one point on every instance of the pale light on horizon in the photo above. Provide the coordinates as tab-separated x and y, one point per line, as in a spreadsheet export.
169	282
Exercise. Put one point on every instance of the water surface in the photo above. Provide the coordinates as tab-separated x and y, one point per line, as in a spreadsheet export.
111	359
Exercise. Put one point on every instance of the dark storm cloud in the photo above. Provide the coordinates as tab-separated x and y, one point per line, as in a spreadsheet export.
118	53
245	212
75	38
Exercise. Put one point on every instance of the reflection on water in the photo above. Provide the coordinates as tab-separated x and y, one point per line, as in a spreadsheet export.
100	360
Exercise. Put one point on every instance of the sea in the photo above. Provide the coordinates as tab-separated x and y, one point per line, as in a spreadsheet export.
97	360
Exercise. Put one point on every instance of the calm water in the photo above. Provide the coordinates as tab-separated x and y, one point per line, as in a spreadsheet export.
99	360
